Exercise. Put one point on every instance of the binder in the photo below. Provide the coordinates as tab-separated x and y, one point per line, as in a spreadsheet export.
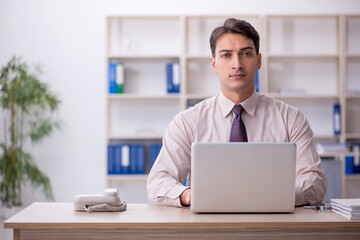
125	159
120	77
117	159
140	154
337	119
173	77
112	78
111	159
349	165
257	84
153	153
133	159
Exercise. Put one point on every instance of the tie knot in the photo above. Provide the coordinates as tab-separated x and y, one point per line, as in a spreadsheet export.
238	109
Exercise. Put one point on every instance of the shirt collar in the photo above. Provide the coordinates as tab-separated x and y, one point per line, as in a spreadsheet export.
226	105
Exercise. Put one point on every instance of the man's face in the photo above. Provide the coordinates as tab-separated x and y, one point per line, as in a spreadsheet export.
235	63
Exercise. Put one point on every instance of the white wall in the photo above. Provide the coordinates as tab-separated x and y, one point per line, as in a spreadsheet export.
68	38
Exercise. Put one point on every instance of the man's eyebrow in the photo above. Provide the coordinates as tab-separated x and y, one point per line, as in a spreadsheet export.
247	48
242	49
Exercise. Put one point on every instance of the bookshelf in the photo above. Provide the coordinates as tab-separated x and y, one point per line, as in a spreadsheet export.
309	61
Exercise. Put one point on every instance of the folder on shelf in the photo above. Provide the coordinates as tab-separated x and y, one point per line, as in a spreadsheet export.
257	84
117	159
337	119
124	159
111	158
116	77
137	159
140	154
173	77
120	78
133	161
153	153
112	77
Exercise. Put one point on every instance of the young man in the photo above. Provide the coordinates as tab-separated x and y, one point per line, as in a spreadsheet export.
235	59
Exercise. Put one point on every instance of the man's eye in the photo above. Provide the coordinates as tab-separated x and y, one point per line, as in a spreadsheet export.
247	54
226	55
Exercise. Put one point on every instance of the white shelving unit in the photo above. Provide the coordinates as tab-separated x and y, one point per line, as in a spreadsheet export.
309	61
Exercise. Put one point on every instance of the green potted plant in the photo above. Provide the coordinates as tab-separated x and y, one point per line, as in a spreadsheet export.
27	111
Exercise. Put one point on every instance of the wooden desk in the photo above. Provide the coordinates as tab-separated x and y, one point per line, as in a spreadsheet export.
145	221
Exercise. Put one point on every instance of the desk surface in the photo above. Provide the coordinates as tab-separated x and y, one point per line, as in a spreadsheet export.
147	216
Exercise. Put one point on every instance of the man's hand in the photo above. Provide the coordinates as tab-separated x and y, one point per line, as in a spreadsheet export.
185	198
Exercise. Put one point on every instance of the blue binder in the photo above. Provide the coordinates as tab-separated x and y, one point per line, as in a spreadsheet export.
137	159
257	84
337	119
140	154
111	159
153	153
133	159
173	77
112	78
124	159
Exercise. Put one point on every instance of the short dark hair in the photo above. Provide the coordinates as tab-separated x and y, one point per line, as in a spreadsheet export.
236	26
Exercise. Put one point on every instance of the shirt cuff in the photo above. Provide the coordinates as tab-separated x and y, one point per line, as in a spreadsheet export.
174	195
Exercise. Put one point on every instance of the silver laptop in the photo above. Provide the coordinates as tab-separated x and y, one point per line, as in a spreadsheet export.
243	177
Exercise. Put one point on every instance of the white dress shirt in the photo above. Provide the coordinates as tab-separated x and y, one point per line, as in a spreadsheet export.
265	119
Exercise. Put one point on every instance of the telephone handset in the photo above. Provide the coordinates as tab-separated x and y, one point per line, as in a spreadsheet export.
109	201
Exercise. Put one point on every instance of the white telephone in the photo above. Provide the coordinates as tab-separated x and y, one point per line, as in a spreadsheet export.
109	201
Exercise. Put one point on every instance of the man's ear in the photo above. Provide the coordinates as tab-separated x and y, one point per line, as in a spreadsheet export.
259	61
213	67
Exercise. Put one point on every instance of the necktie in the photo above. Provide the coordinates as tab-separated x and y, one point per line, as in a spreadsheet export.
238	130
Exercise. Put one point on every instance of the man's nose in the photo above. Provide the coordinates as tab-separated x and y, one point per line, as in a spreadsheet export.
237	62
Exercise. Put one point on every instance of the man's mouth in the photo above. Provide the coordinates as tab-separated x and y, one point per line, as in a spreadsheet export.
238	75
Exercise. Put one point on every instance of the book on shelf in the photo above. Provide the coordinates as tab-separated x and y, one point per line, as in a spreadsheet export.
137	159
257	84
337	119
347	207
126	159
352	165
153	153
328	147
116	77
173	77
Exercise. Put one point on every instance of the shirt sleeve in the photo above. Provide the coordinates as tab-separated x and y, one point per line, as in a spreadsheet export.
311	181
172	166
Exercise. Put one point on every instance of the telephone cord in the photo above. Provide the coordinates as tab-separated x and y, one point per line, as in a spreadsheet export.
105	207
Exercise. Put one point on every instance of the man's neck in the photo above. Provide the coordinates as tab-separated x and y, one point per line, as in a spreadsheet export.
237	97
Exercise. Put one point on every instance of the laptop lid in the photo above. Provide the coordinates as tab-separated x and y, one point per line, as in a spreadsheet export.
243	177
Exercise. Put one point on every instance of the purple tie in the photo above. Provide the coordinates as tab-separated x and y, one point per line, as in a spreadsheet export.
238	130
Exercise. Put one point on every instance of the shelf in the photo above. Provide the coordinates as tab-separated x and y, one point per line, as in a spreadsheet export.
200	56
336	154
142	177
132	96
351	56
198	96
139	136
353	95
326	137
352	177
302	96
136	57
311	76
290	35
309	73
303	56
352	135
